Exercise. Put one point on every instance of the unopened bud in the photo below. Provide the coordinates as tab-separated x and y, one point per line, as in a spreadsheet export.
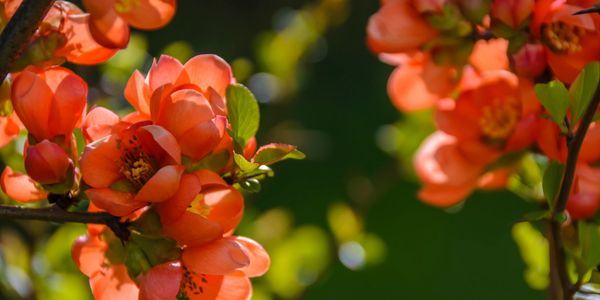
47	163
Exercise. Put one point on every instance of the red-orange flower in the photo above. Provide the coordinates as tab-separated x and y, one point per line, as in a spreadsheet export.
134	165
110	19
571	41
215	270
187	100
492	116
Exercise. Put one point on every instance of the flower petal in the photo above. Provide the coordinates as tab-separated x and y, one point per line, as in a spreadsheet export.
32	101
161	282
116	203
259	258
226	206
162	186
208	70
192	229
110	30
149	14
219	257
100	163
98	123
20	187
113	283
176	206
166	70
138	93
88	254
162	144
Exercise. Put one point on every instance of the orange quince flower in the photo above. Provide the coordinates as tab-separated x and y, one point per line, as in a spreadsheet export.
495	114
110	19
47	162
50	102
187	100
134	165
20	187
571	41
216	270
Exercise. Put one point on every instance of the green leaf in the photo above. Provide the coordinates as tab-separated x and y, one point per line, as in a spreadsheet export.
551	182
533	247
244	165
243	114
583	88
555	98
589	240
272	153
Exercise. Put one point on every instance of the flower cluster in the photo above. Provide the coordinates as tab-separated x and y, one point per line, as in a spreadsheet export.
172	172
476	65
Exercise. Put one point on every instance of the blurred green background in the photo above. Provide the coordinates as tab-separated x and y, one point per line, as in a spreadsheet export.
342	224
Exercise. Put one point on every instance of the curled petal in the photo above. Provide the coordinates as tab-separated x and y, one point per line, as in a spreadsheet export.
20	187
161	143
228	287
193	229
70	100
226	207
219	257
9	128
161	186
183	110
445	195
200	140
209	178
259	258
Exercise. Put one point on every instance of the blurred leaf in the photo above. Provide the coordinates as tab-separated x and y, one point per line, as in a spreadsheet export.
589	241
243	114
589	291
180	50
57	250
272	153
552	180
533	247
583	88
555	98
63	286
536	215
344	223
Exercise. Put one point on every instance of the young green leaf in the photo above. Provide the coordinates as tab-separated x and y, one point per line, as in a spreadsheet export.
272	153
589	240
555	98
552	179
243	164
243	114
583	88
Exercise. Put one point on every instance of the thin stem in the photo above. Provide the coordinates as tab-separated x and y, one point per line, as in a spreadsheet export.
560	282
57	214
19	30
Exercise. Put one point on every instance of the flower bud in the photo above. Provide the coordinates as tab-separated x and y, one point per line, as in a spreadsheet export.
47	163
511	12
529	61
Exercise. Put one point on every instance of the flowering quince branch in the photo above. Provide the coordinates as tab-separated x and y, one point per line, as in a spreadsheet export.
557	251
19	31
55	213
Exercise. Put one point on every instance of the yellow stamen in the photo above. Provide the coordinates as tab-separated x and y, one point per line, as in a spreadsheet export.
562	37
500	119
199	207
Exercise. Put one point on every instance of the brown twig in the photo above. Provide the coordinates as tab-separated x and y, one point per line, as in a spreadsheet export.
57	214
560	282
19	30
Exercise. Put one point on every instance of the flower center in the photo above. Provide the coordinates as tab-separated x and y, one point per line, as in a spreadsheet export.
562	37
198	206
137	166
499	119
